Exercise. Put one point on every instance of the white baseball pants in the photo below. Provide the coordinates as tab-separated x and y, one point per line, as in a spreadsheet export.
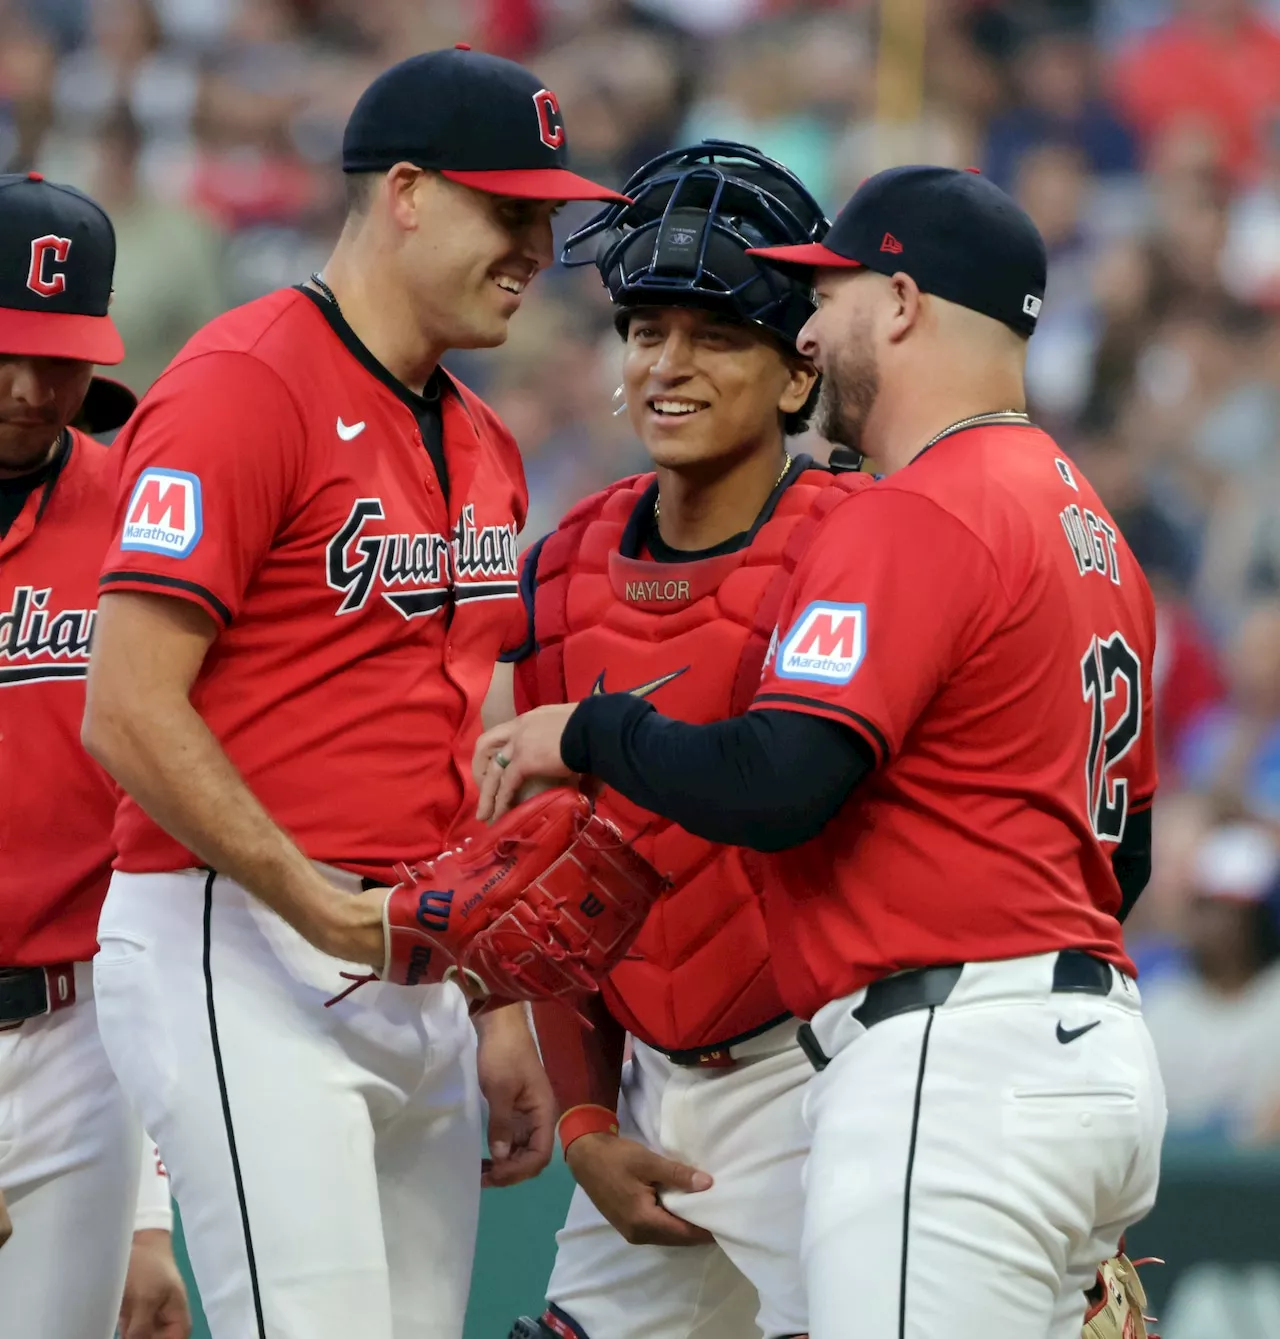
326	1160
744	1127
972	1163
70	1150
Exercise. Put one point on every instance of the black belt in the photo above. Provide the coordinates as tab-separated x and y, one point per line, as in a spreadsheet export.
718	1055
927	987
30	992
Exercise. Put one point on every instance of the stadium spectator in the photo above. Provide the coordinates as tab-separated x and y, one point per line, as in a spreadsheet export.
1232	751
1215	1025
1058	103
1217	63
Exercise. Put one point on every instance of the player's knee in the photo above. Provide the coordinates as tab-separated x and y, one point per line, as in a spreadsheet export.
552	1324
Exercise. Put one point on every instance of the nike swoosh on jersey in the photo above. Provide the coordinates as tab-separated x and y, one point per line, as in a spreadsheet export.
1066	1035
347	433
644	690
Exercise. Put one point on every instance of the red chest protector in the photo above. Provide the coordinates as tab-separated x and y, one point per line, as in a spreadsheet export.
693	637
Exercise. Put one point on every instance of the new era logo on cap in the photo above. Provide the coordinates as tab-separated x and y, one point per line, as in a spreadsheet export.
165	513
1031	305
891	245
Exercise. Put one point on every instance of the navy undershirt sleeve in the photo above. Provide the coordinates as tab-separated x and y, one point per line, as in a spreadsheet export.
1131	860
766	780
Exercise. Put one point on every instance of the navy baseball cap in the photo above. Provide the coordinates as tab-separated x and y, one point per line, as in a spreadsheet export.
955	233
57	256
57	259
477	119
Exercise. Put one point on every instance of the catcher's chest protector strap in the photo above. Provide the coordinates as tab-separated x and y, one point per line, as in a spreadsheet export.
651	600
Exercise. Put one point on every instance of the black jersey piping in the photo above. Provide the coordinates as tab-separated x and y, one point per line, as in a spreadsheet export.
206	596
45	478
906	1188
228	1125
420	405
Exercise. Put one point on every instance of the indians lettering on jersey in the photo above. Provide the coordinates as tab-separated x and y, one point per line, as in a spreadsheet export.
420	574
40	642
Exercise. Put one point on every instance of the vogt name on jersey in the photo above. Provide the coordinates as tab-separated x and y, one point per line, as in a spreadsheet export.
419	574
37	643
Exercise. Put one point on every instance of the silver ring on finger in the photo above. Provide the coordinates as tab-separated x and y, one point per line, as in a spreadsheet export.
502	760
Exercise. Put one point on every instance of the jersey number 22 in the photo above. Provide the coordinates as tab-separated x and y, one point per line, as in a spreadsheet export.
1106	662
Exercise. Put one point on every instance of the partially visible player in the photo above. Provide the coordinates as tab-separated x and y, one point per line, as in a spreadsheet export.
961	692
85	1189
312	568
667	586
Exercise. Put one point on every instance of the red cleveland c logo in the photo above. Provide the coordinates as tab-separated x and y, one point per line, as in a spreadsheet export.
41	249
550	122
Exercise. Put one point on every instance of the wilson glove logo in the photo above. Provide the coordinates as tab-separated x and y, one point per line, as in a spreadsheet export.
434	907
419	965
826	644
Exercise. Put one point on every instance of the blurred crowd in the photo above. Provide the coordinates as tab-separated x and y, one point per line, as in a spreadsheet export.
1143	136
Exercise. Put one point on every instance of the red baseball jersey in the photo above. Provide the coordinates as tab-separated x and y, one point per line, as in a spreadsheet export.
56	803
276	477
977	618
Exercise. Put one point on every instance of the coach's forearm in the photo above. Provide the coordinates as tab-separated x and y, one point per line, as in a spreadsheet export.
767	780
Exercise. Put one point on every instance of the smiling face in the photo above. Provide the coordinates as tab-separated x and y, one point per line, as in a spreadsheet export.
701	388
467	256
38	398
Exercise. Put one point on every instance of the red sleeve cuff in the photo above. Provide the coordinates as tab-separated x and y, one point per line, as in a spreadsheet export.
153	583
868	729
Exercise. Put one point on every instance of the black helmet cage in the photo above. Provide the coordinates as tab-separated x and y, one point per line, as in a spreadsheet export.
683	239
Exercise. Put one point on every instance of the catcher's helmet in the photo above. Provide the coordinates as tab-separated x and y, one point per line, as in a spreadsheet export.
682	240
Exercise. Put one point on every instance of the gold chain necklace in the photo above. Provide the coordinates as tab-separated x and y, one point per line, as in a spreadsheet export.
782	474
991	416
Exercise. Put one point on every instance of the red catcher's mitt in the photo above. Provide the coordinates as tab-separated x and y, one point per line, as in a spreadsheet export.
541	907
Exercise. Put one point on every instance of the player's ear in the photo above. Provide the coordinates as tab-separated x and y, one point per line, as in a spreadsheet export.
905	307
801	376
405	189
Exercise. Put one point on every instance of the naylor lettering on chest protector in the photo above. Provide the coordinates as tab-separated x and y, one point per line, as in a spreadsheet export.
418	574
37	643
646	586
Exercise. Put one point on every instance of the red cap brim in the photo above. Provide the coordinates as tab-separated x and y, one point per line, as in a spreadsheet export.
91	339
543	183
810	254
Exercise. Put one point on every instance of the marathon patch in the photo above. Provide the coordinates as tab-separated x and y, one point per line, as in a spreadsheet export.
825	645
165	514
